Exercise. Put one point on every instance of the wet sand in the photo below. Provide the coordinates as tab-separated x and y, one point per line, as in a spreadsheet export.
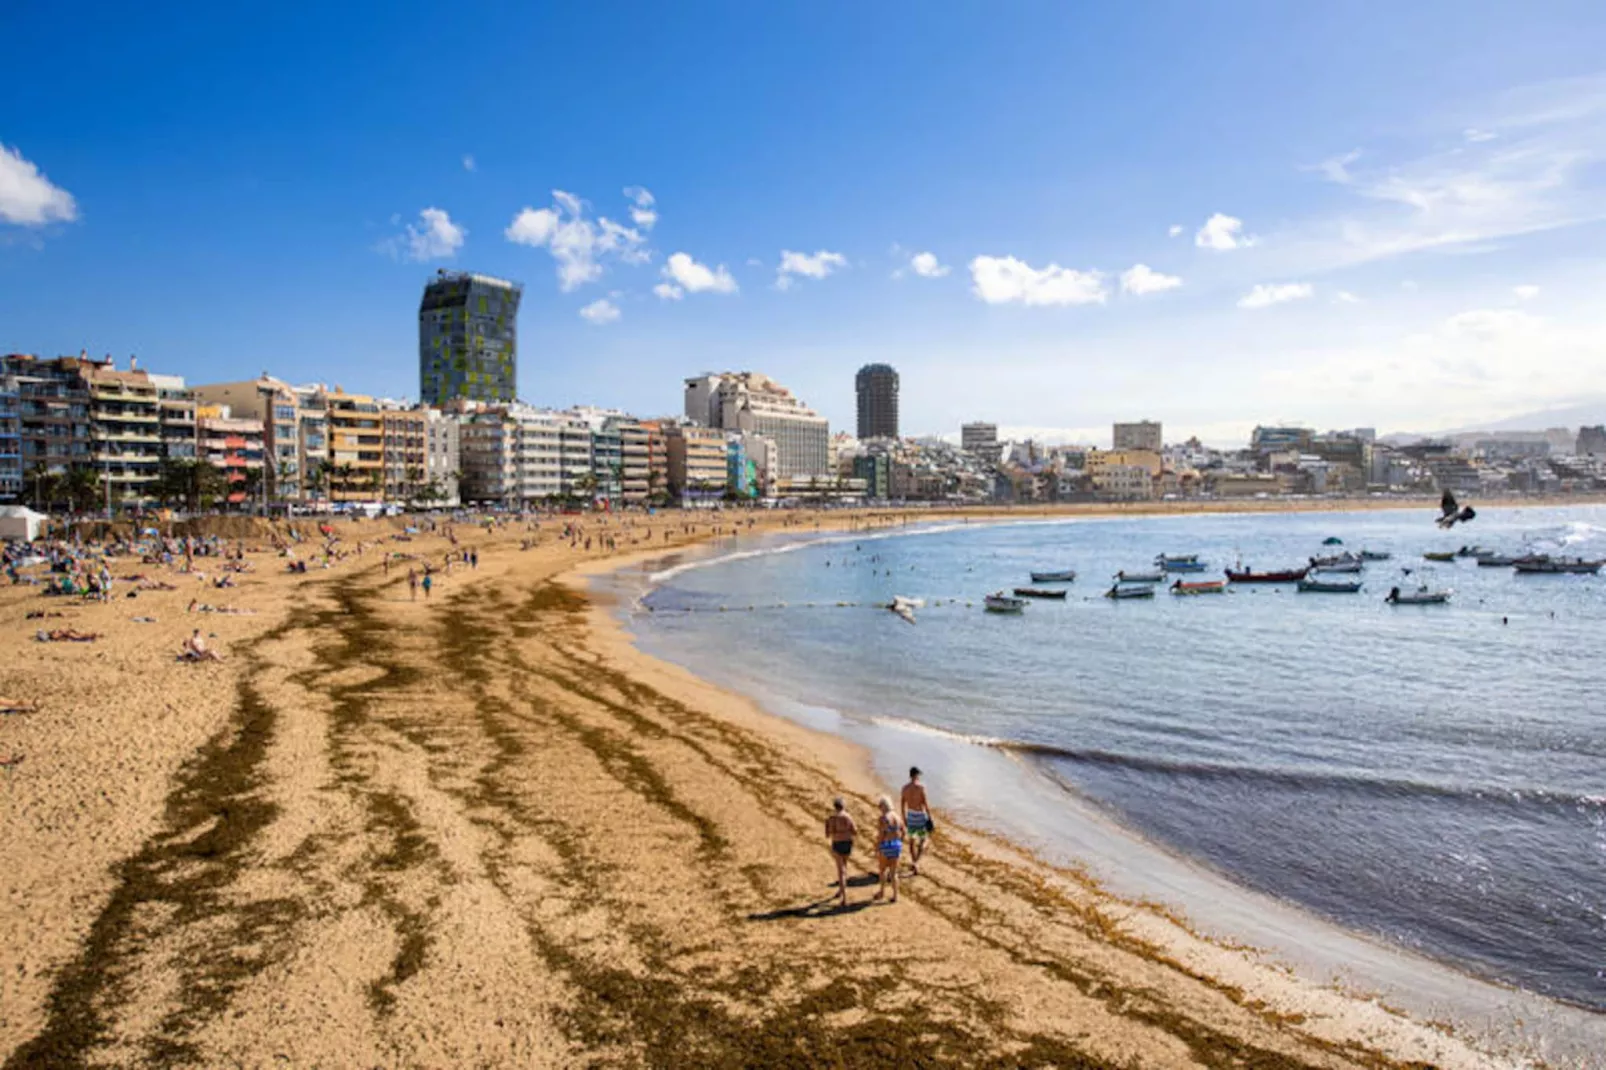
484	830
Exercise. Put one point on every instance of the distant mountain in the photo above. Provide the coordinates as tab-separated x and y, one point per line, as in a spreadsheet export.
1583	414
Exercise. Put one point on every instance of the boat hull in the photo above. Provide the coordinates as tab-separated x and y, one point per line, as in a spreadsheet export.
1309	586
1121	594
1205	587
1063	576
1033	592
1293	575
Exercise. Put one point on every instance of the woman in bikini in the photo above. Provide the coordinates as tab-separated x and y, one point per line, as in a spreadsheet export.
840	830
889	846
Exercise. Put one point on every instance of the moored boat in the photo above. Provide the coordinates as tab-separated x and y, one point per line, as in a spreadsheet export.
1183	566
1422	596
1437	556
1317	585
1335	564
1199	587
1130	590
1543	563
1291	575
1038	592
1153	576
1375	555
1490	559
1065	575
999	602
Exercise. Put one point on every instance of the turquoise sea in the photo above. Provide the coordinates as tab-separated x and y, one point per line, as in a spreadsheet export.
1432	776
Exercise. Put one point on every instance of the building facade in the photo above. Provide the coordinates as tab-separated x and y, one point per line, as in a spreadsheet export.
698	463
10	439
406	452
753	403
1142	435
877	388
1591	441
356	463
278	406
978	438
235	446
443	458
468	339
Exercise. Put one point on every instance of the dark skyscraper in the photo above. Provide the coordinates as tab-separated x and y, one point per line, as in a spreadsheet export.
468	338
878	401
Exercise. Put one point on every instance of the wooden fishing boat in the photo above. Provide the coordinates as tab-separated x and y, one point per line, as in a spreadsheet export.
1292	575
1375	555
1544	563
1199	587
1490	559
1155	576
1336	565
1422	596
1130	590
1000	602
1183	566
1062	576
1317	585
1039	592
1436	556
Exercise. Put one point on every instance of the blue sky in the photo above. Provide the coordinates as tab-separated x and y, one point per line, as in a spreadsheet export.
1357	214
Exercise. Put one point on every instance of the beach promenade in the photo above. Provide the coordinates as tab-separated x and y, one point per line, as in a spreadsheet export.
480	829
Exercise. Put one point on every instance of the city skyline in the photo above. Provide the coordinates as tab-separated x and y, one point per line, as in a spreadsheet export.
1411	249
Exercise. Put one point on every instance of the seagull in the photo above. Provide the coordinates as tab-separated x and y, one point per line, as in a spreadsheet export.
1450	512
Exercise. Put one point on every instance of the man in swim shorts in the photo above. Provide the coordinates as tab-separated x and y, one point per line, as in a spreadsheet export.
916	818
840	830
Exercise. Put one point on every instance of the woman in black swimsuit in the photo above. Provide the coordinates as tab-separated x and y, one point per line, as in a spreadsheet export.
840	830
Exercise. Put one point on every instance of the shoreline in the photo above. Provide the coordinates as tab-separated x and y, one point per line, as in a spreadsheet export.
1214	908
482	829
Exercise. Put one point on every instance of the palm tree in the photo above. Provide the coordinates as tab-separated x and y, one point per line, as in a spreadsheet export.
82	487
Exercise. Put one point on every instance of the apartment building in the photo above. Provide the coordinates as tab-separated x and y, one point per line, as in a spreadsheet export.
125	421
1141	435
753	402
277	405
10	439
698	463
175	405
356	447
406	451
235	446
443	457
979	438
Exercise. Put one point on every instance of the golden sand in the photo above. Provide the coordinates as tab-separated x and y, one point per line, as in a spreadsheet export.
483	830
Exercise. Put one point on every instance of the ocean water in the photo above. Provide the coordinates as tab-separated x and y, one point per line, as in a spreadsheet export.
1434	776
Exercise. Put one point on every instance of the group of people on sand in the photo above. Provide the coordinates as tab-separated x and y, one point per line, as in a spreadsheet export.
909	821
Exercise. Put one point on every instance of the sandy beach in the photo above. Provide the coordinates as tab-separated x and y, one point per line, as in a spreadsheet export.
482	829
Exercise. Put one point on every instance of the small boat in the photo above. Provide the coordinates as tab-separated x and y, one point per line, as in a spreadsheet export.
1039	592
1199	587
1317	585
1490	559
1544	563
1375	555
1332	540
1062	576
1155	576
1449	556
1175	559
1130	590
1190	565
999	602
1471	551
1422	596
1292	575
1333	564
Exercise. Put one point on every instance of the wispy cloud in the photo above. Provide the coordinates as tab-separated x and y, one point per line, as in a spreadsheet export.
642	212
1266	294
1525	292
1002	280
468	162
27	197
600	312
581	246
795	265
433	237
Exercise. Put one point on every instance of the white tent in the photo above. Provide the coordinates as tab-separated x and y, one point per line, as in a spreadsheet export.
20	522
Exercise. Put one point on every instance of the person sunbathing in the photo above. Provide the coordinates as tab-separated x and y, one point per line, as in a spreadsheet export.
16	705
67	635
195	649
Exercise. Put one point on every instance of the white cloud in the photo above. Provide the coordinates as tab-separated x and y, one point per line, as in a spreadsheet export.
1222	232
580	246
1140	279
817	266
468	162
642	213
1525	293
1175	231
433	237
601	311
1000	280
927	266
27	197
1474	135
1344	297
1337	168
1267	294
685	275
1490	325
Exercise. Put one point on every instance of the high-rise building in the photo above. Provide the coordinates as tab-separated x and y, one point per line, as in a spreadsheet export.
10	438
877	387
753	402
468	339
1142	435
978	438
1591	441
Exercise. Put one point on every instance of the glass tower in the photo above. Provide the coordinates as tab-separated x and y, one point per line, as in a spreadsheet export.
468	338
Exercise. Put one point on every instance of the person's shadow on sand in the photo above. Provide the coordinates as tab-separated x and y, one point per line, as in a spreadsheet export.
823	908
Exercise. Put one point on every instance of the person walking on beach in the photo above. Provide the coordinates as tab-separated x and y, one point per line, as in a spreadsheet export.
412	582
916	818
840	830
429	581
889	846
